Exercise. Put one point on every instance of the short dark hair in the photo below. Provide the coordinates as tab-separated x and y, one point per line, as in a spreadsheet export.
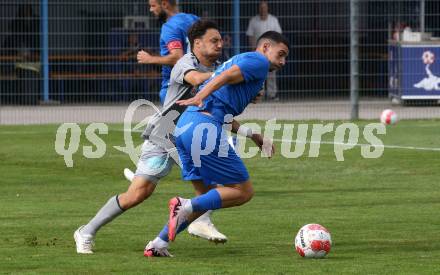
275	37
198	29
171	2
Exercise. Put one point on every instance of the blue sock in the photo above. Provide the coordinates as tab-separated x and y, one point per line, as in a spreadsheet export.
164	233
205	202
208	201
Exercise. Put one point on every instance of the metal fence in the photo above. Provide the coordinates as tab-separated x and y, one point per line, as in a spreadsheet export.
68	57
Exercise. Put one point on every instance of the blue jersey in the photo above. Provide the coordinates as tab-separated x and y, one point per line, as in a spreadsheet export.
233	99
174	35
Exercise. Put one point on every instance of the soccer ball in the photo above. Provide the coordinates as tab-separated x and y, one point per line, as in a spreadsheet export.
428	57
313	241
388	117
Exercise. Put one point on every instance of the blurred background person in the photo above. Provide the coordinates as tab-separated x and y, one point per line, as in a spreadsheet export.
258	25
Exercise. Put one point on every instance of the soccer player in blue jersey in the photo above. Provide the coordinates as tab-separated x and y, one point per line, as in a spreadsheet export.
226	94
155	161
173	39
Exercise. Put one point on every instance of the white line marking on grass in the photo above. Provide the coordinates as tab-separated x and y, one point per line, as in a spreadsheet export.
362	144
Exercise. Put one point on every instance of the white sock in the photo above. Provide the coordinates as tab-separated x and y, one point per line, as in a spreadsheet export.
205	217
159	243
106	214
187	206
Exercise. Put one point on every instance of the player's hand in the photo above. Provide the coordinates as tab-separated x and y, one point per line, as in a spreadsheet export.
143	57
266	145
194	101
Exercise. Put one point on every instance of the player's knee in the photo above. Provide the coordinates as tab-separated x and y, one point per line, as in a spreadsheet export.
248	195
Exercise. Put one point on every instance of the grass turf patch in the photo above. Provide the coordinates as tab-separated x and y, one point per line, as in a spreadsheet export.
382	213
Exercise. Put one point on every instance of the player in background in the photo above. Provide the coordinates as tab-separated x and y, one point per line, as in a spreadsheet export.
173	39
226	94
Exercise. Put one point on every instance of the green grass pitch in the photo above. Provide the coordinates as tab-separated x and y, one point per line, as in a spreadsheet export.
383	213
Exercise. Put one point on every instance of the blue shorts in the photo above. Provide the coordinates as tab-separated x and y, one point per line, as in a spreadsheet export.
205	152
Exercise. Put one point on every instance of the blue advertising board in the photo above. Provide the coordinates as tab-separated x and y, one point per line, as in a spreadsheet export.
414	71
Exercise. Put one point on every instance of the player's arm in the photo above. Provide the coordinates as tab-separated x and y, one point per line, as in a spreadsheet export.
145	58
266	145
195	78
232	75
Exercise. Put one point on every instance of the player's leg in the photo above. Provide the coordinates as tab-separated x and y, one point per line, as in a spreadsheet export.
189	173
203	226
138	191
231	195
150	168
215	167
200	226
184	211
159	246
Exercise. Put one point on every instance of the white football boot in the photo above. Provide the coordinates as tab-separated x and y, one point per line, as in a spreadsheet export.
152	251
84	243
204	228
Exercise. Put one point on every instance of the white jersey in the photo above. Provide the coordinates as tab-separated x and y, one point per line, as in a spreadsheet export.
257	26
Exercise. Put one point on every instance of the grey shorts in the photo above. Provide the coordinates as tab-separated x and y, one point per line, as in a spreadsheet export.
154	163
